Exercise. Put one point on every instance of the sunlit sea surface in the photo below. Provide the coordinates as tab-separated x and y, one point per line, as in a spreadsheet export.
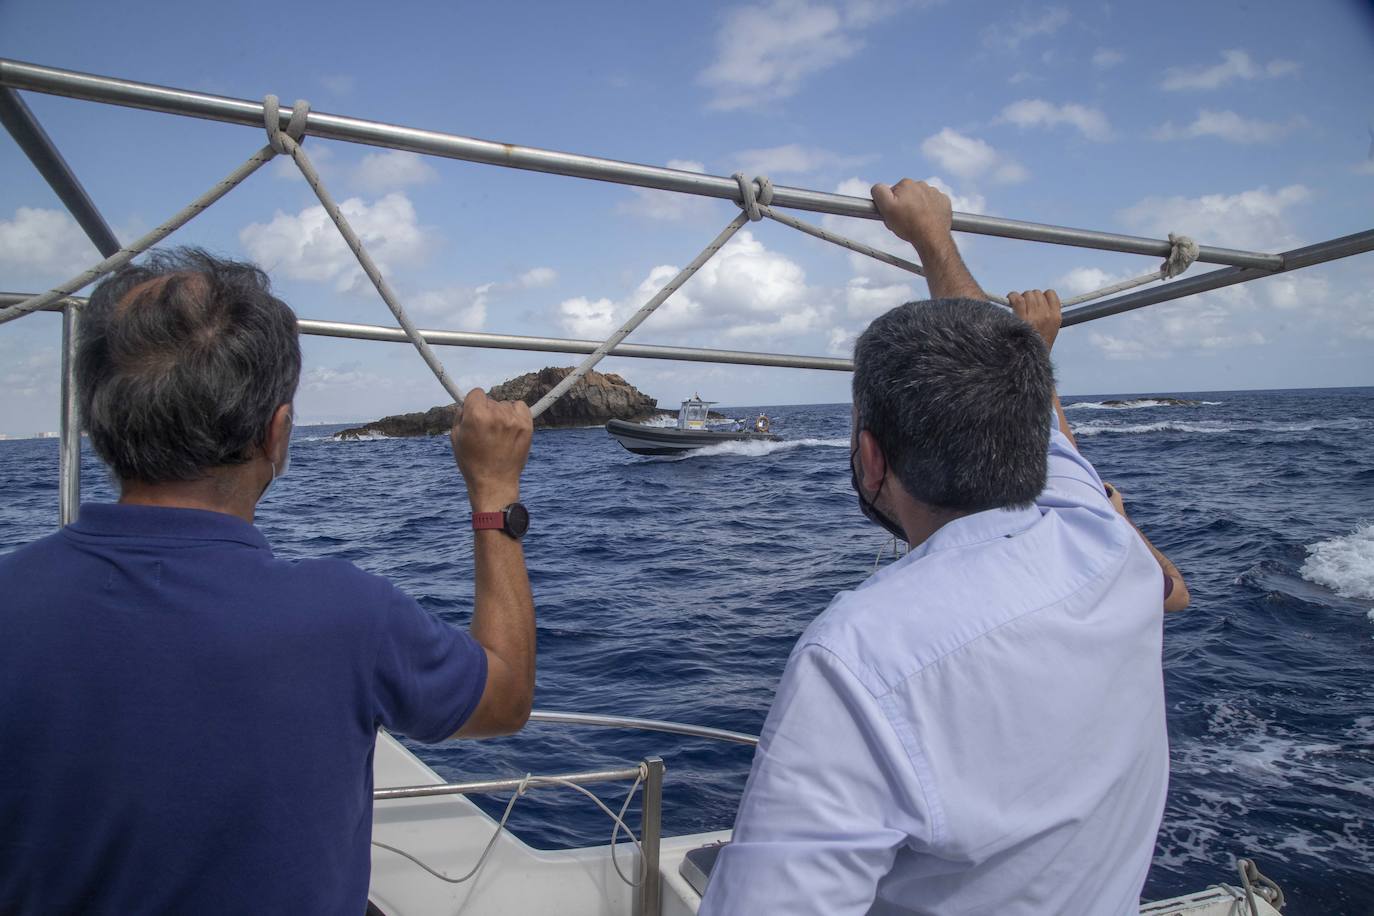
675	587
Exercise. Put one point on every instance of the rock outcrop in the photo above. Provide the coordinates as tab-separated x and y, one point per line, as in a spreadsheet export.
431	422
595	399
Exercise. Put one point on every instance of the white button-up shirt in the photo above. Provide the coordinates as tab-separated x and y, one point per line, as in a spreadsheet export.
977	728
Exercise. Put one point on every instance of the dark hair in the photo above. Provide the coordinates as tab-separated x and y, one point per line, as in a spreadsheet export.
958	394
181	362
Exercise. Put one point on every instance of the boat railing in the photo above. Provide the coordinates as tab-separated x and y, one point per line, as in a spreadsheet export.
650	725
650	771
28	133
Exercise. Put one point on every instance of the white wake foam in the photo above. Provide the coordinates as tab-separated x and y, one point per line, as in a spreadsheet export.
1098	427
377	437
1133	404
759	449
1344	564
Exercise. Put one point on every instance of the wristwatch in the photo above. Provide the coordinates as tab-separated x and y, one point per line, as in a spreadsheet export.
514	521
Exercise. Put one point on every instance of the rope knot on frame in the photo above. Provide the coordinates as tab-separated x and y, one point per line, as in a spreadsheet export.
750	199
1182	253
295	128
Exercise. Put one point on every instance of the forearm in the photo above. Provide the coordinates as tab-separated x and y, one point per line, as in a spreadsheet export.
503	616
946	273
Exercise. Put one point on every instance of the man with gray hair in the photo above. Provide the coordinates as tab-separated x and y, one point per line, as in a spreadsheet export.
187	721
979	727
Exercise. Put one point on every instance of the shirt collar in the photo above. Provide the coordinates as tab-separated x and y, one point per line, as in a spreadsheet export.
120	520
977	528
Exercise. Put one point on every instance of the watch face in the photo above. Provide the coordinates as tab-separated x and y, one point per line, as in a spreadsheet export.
517	520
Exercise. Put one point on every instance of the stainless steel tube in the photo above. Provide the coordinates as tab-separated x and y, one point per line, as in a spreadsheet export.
73	84
38	146
650	725
1298	258
650	892
503	785
69	447
537	344
560	345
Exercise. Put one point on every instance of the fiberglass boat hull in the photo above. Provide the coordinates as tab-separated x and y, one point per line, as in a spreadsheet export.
663	440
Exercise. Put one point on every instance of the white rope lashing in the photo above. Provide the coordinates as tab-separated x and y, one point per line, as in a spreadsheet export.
129	252
530	779
285	142
756	196
638	317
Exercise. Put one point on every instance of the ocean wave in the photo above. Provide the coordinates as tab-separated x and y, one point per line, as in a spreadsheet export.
1208	427
1132	404
1344	564
369	437
758	449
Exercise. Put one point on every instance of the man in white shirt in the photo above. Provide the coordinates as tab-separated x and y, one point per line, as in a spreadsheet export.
979	727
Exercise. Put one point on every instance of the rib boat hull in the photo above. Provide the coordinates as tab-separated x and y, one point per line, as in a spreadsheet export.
662	440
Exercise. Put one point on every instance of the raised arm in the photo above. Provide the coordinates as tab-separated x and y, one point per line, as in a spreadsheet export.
491	441
1176	595
920	214
1042	310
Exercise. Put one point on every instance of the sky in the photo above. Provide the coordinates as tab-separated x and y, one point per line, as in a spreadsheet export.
1243	124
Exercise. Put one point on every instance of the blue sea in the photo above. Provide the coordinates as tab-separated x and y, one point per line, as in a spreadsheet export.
675	587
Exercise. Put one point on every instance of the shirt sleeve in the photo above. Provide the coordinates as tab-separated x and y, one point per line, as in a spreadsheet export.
428	676
1071	479
829	802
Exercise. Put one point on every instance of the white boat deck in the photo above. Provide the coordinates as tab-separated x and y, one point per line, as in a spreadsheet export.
448	833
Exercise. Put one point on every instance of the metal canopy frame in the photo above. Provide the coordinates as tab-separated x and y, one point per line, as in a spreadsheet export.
1241	266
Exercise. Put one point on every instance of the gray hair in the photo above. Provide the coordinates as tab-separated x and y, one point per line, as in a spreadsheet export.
181	362
958	394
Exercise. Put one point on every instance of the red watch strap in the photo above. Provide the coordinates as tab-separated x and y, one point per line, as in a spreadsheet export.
481	521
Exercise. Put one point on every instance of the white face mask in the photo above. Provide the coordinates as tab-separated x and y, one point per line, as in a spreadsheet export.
285	460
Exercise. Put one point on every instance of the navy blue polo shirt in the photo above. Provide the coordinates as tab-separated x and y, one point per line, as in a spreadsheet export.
187	722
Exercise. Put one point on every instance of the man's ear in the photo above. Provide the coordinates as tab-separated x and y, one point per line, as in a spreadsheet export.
872	464
278	434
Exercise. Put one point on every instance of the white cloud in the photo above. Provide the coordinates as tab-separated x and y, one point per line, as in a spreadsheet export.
44	243
745	291
344	378
1085	279
970	158
765	52
1201	326
1010	35
1106	58
668	206
307	246
458	308
537	277
1235	65
1256	219
464	308
840	342
1227	125
391	171
793	159
865	300
1293	291
1090	122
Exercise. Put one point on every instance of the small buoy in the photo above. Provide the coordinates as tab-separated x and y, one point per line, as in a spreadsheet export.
761	425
